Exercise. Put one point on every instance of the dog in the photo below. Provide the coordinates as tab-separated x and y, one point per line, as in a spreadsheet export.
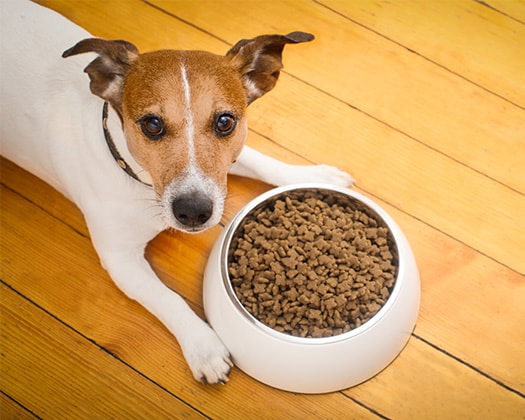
148	149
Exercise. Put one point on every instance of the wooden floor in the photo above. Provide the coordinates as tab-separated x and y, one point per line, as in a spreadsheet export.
422	101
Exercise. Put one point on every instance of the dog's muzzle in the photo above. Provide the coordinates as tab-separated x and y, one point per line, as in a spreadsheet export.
192	203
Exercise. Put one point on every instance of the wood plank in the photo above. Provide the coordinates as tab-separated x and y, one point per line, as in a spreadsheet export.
443	389
9	409
131	20
382	79
42	195
133	335
512	8
55	373
462	308
466	37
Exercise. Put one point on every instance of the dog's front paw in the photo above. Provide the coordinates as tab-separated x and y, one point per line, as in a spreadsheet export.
331	175
207	357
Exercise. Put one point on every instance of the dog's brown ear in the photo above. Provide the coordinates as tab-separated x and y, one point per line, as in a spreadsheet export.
260	60
109	70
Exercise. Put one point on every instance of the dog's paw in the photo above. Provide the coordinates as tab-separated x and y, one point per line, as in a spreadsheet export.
323	174
207	357
331	175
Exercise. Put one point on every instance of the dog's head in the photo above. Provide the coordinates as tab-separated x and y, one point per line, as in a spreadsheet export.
183	114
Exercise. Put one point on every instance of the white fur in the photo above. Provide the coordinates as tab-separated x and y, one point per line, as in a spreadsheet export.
190	128
254	164
51	125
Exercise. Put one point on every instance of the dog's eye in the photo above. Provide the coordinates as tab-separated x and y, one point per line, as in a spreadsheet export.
224	124
152	126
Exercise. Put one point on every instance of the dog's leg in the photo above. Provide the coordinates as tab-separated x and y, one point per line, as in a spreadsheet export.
207	357
254	164
122	255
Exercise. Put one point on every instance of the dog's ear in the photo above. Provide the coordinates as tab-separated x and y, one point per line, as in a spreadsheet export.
259	60
109	70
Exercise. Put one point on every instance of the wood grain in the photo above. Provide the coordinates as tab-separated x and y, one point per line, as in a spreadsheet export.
513	9
457	35
65	361
10	409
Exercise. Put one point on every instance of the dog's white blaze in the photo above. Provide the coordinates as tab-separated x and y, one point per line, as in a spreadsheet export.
192	179
190	128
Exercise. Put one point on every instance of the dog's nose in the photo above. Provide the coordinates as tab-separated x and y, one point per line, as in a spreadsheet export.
192	209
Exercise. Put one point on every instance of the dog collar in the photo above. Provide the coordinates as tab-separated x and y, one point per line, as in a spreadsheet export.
113	148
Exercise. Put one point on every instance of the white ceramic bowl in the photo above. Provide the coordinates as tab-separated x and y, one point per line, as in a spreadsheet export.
311	365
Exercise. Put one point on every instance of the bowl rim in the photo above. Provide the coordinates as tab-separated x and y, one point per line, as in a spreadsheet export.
282	336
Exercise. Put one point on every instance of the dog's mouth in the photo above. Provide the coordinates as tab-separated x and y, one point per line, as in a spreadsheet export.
192	207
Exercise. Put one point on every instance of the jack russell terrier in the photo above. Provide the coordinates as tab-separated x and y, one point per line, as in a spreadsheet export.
157	157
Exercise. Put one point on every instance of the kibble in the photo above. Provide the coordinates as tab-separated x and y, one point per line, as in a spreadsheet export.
312	263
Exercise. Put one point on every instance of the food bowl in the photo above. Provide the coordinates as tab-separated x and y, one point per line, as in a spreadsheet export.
312	364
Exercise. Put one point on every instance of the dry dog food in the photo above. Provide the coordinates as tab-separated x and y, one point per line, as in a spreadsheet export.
312	263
